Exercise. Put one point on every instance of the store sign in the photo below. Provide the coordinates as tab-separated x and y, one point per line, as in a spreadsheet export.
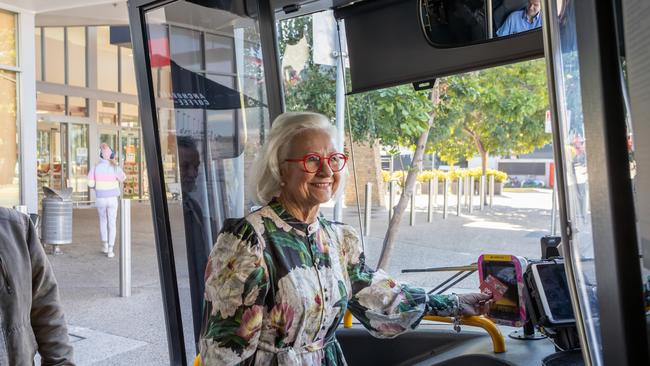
194	90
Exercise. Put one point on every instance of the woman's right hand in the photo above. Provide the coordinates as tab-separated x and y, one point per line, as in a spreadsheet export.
474	303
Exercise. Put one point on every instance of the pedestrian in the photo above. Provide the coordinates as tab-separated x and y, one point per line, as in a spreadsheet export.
105	178
31	316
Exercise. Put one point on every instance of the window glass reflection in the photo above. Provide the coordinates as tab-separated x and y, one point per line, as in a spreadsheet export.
202	71
50	104
9	164
54	54
7	38
107	112
37	49
523	19
77	107
575	164
76	56
106	61
129	115
127	71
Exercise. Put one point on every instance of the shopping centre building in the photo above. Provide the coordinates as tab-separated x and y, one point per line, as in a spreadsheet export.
67	84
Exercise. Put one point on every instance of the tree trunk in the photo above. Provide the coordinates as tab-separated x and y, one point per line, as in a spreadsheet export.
407	192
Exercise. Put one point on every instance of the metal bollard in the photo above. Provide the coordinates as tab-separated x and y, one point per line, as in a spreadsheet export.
445	193
471	194
481	190
125	248
435	191
459	189
491	190
391	193
366	226
467	192
430	202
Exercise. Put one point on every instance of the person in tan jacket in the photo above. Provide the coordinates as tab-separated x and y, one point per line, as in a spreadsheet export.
31	316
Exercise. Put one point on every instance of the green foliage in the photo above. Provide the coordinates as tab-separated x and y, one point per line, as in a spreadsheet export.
498	111
427	175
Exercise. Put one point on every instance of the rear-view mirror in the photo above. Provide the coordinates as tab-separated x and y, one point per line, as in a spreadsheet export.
455	23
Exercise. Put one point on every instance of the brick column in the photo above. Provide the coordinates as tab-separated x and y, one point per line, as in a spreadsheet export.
368	166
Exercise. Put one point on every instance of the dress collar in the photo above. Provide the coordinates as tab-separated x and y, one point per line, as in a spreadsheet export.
295	223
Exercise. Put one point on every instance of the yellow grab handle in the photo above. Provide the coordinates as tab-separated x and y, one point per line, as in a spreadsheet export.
498	342
347	319
197	360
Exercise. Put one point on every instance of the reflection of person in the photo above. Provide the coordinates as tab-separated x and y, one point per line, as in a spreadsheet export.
522	20
198	234
106	177
279	281
31	315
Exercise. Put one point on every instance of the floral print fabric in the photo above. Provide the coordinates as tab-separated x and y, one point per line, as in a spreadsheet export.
277	289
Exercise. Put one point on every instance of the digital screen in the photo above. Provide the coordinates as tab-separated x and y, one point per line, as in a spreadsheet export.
555	288
507	307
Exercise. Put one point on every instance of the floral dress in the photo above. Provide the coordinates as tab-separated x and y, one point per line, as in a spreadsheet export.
277	288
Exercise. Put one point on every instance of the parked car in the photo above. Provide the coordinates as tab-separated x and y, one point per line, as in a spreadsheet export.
532	183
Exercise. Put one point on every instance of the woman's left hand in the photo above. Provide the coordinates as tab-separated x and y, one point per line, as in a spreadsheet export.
474	303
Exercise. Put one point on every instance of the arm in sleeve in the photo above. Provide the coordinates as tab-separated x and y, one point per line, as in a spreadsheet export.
383	305
119	174
48	321
91	178
235	289
506	28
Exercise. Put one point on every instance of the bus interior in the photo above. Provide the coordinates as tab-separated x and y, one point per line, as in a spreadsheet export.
213	74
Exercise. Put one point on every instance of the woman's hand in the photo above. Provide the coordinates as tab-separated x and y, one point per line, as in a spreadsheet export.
474	303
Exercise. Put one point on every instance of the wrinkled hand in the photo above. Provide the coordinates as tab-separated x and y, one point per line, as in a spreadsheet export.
474	303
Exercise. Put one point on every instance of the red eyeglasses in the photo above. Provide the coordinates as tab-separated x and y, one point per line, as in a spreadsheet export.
313	163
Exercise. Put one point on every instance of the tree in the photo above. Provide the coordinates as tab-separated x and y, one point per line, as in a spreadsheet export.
498	111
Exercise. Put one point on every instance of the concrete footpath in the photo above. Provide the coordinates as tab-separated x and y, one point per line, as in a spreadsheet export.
109	330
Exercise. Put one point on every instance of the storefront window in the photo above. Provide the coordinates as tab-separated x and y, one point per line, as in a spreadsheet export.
127	71
76	56
77	107
51	104
107	74
7	38
54	54
9	164
129	115
107	112
37	47
79	161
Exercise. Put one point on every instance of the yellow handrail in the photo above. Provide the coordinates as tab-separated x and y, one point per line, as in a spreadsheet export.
197	360
498	342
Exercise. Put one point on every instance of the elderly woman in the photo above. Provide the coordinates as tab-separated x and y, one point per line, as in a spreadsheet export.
279	281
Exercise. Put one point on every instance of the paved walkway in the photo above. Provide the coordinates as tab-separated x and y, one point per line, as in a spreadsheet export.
109	330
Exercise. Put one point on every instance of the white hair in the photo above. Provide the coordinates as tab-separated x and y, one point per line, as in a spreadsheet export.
264	183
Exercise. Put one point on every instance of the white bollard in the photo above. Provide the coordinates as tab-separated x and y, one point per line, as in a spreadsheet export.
366	226
459	189
391	197
481	190
445	194
412	220
430	203
491	190
471	194
125	248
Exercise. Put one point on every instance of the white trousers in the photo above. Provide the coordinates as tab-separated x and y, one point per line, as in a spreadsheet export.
107	209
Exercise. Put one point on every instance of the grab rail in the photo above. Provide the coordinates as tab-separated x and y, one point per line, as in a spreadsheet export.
498	341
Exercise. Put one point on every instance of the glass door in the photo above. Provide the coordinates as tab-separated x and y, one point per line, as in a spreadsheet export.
79	162
52	152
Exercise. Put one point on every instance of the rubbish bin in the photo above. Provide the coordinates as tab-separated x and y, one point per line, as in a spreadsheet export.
56	220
